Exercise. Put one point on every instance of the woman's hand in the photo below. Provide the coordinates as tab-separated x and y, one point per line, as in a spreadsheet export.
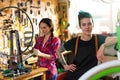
47	56
40	54
36	51
70	67
100	53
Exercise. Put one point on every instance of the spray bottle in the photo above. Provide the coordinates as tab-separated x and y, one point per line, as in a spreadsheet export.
118	36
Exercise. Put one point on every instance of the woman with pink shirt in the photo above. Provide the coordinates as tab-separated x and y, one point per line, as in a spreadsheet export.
46	47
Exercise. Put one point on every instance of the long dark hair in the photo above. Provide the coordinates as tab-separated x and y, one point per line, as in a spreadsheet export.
48	21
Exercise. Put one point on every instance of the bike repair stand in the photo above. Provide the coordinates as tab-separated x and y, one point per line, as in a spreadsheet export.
15	66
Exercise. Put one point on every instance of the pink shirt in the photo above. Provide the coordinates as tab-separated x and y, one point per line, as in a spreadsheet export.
50	47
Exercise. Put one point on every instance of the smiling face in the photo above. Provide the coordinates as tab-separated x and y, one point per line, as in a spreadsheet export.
45	28
86	25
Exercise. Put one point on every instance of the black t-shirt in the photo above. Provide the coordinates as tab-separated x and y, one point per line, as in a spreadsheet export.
85	58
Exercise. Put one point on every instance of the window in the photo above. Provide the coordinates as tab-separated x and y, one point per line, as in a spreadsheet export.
104	14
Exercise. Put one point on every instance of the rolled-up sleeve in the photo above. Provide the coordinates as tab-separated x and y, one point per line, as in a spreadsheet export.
56	45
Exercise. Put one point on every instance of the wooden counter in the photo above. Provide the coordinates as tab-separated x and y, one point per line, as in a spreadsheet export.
34	73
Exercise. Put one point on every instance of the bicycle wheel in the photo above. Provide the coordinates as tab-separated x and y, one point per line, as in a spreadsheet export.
16	22
101	70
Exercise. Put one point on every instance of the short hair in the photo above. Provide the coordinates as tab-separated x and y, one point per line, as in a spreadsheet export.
83	14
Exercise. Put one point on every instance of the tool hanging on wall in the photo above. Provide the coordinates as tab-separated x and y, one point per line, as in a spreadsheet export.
38	2
38	12
5	40
31	11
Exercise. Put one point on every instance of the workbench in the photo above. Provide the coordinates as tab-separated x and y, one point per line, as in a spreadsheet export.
34	73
